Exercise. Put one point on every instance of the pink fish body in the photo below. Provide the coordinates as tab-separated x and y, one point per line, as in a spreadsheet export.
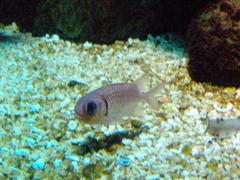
109	104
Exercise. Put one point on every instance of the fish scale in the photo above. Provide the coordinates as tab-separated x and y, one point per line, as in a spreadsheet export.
120	96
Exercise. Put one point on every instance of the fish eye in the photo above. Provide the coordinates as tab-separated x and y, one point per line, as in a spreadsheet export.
91	108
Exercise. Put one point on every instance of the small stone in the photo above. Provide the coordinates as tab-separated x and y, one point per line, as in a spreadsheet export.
57	163
14	142
37	131
209	95
192	112
3	150
152	177
130	41
72	125
38	165
229	107
35	108
68	44
50	144
14	170
72	158
126	142
148	118
238	94
30	142
98	58
75	166
34	156
195	151
17	131
21	152
1	96
55	38
30	121
185	174
230	89
140	156
2	132
78	141
87	45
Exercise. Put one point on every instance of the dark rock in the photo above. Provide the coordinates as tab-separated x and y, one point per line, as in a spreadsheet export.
19	11
214	44
93	144
100	21
108	20
74	83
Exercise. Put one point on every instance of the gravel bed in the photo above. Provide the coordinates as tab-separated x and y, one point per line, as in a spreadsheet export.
41	80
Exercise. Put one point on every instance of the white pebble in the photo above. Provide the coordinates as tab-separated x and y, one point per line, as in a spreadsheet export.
98	58
148	118
229	107
55	38
192	112
140	155
21	152
87	45
72	158
126	142
195	151
209	95
57	163
238	94
152	177
38	165
72	125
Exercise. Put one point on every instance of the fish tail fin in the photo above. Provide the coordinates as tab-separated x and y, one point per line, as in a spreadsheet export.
151	98
142	83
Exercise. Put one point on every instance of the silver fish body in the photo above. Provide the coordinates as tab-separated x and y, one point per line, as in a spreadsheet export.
225	127
108	104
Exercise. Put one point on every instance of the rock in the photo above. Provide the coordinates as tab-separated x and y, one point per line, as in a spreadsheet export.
55	38
105	21
72	125
30	121
148	118
22	152
9	30
192	112
214	44
38	165
4	149
72	158
152	177
87	45
57	163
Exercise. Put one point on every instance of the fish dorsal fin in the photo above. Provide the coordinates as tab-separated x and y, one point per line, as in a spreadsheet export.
142	83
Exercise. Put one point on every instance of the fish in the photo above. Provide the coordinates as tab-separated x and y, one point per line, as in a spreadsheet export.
109	104
224	127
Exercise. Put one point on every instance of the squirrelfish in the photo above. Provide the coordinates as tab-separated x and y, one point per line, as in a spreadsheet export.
108	104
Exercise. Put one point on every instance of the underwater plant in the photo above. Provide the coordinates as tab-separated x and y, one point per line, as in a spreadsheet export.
214	44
